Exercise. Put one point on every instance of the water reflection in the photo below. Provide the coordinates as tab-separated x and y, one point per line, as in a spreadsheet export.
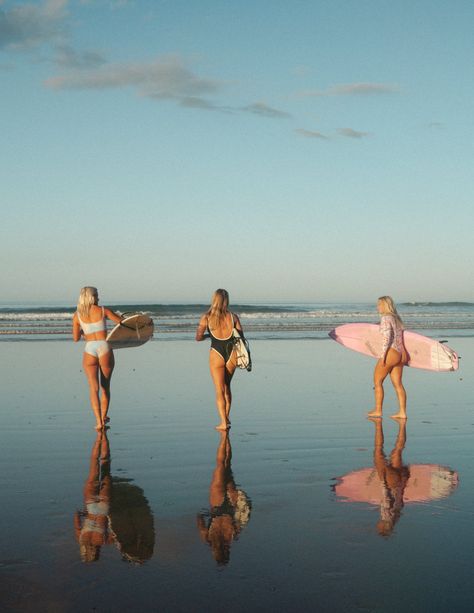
229	507
390	484
115	512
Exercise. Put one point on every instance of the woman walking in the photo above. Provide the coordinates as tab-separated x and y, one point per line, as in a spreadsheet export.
218	324
392	359
98	359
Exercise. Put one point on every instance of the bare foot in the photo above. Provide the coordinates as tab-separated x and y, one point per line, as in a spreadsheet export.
374	413
221	427
98	427
399	416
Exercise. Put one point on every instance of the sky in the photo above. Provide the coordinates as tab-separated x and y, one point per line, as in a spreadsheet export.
313	150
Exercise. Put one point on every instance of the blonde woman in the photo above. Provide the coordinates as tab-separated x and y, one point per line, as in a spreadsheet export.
218	324
392	359
98	359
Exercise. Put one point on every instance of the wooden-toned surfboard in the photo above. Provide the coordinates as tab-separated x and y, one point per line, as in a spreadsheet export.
133	331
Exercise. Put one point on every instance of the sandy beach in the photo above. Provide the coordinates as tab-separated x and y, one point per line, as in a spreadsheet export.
298	427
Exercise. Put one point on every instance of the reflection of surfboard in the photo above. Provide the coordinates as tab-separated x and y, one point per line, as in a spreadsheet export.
131	521
423	352
426	482
133	331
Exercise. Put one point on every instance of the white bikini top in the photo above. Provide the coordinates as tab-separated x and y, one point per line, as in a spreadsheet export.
96	326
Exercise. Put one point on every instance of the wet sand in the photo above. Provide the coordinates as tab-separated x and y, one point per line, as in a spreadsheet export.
289	543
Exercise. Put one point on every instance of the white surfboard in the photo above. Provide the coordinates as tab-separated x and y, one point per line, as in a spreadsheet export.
133	331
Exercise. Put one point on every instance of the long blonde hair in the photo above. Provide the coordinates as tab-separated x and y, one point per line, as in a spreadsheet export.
88	296
218	309
389	308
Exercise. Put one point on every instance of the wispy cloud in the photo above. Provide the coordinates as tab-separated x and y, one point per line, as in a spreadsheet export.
67	57
351	89
113	4
162	78
194	102
350	133
28	25
311	134
259	108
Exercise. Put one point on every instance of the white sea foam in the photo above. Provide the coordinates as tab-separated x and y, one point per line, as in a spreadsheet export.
32	316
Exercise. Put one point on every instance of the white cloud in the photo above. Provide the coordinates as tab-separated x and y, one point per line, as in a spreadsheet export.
28	25
351	89
350	133
311	134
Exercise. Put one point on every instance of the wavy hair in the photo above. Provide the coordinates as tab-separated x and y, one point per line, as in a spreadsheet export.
88	296
389	308
218	309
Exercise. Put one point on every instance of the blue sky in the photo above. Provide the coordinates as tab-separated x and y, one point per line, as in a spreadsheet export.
309	151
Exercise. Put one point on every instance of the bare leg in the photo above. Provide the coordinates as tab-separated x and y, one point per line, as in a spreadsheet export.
230	369
380	373
396	377
218	374
91	370
393	360
106	366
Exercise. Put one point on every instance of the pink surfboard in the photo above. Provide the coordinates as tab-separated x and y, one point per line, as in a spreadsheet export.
426	482
423	352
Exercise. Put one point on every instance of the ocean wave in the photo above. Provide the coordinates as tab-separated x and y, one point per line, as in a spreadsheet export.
264	321
438	304
35	316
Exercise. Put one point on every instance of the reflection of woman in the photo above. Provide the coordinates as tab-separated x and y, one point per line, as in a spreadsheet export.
89	321
230	507
115	512
92	524
392	359
217	324
393	475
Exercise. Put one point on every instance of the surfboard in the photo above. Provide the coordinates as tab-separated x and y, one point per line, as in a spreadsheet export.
133	331
423	352
426	482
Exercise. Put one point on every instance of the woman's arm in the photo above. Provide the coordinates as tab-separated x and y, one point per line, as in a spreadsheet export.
112	315
386	329
238	325
76	328
201	329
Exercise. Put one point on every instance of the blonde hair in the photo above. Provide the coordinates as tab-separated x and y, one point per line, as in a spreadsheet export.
218	309
88	296
389	308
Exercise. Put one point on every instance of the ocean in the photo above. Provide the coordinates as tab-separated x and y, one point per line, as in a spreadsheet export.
260	321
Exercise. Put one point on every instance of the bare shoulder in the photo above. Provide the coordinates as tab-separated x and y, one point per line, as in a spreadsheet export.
203	320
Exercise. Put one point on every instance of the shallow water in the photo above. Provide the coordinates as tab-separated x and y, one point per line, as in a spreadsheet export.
298	426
